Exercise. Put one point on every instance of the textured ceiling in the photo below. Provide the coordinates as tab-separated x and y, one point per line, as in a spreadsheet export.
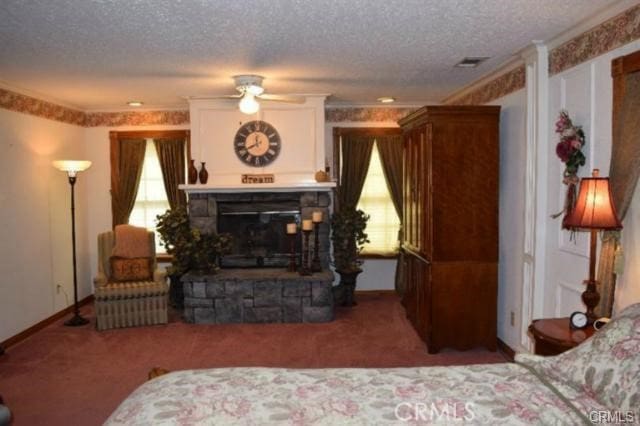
100	54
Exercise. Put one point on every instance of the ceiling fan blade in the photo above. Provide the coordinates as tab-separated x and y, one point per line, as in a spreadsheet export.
238	96
282	98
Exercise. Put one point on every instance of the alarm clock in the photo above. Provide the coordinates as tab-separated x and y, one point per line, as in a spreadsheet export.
578	320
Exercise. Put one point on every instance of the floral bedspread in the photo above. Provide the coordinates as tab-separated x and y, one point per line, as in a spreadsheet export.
496	394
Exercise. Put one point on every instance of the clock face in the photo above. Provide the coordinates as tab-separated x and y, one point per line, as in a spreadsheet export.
578	320
257	143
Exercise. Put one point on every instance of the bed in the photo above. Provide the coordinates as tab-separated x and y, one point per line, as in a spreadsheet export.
598	381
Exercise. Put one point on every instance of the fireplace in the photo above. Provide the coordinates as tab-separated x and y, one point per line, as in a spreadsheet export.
257	221
254	284
259	232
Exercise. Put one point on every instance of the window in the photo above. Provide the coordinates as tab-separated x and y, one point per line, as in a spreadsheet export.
375	200
152	198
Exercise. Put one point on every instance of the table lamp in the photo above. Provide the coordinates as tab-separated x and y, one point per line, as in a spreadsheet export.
594	210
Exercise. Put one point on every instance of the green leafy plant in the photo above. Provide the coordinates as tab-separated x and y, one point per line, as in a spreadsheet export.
348	238
191	249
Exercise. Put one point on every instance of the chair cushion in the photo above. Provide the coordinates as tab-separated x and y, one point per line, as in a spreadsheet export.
135	269
131	241
130	290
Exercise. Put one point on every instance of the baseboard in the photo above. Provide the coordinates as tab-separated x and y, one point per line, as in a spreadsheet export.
375	292
506	350
42	324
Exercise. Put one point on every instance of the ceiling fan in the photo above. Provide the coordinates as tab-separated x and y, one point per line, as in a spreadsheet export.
250	88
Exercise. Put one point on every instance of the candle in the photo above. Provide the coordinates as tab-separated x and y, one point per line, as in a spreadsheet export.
291	228
317	217
307	225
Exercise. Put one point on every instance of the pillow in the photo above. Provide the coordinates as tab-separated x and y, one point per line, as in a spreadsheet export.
136	269
131	241
606	367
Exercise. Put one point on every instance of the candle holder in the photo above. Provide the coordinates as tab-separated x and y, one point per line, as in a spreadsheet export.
304	268
315	262
292	253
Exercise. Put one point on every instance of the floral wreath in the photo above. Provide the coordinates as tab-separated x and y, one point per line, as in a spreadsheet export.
569	150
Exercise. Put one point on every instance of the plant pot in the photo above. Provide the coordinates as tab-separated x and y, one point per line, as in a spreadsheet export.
176	292
348	284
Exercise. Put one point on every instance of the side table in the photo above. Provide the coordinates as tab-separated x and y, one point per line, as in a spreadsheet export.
554	335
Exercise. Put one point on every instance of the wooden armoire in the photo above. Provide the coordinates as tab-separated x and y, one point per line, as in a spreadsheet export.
450	240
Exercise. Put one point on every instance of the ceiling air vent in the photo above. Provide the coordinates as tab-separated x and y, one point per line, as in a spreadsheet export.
471	62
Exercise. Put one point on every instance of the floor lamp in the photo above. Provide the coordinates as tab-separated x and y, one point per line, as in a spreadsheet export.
72	168
594	210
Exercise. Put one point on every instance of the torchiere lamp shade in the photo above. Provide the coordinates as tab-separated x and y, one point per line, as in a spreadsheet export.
594	208
72	166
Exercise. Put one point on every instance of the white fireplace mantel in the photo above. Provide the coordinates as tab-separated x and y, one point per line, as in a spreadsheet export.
261	187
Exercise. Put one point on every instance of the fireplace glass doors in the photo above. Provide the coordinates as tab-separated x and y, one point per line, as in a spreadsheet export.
259	233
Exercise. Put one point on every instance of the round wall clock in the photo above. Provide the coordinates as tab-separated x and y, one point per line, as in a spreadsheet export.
257	143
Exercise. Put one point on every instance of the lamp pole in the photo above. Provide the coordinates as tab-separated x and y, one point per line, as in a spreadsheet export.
72	167
77	319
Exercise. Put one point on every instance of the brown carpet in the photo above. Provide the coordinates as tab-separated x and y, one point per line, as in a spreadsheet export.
65	375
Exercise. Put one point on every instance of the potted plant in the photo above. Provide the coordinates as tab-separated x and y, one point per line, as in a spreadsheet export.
191	250
348	237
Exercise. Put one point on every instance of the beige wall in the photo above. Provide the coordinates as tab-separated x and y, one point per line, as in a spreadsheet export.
35	220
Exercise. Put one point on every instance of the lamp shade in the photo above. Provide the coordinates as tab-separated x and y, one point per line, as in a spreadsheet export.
72	166
594	208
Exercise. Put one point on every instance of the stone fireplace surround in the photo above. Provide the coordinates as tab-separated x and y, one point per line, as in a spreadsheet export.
259	294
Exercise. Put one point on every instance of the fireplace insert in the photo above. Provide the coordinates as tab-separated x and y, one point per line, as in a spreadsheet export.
259	233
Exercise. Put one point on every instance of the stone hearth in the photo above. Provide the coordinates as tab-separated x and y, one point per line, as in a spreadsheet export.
258	296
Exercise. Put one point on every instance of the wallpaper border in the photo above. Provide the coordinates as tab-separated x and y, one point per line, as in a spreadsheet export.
500	86
605	37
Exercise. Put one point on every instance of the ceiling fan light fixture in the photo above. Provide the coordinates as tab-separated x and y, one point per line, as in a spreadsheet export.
248	104
135	103
386	99
253	89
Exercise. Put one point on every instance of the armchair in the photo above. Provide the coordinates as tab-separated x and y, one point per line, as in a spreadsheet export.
130	303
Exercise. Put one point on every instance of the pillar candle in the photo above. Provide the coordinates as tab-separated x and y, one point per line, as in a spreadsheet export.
307	225
317	217
291	228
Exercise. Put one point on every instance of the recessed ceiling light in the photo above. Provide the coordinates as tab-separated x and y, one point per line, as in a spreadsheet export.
471	62
386	99
135	103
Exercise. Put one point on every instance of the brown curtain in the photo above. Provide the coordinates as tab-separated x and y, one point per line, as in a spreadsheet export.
390	149
171	157
624	170
127	156
356	154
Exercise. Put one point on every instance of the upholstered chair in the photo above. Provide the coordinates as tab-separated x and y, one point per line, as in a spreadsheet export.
128	303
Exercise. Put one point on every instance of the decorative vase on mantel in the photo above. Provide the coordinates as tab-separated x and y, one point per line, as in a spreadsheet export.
204	174
193	173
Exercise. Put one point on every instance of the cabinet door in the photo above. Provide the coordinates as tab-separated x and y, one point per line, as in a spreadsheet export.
424	193
410	294
422	276
406	188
